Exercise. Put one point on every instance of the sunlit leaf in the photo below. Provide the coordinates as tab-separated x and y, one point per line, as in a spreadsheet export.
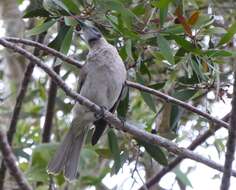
165	49
155	152
114	148
228	36
182	177
40	28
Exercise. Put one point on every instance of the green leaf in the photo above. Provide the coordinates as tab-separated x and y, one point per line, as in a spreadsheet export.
40	28
185	94
63	39
139	10
104	152
228	36
155	152
176	111
36	13
114	148
186	44
39	161
123	106
65	46
164	46
157	86
163	14
182	177
163	7
218	53
126	14
128	48
71	5
161	3
148	99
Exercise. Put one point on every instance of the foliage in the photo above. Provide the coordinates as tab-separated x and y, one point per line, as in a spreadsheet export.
172	46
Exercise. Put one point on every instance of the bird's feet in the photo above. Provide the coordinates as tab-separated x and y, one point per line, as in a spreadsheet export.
100	114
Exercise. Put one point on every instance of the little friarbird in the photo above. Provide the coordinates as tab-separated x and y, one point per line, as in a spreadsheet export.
101	80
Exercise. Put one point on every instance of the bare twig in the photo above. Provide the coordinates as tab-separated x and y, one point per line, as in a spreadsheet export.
231	143
199	140
19	100
110	118
10	161
52	92
129	83
46	49
187	106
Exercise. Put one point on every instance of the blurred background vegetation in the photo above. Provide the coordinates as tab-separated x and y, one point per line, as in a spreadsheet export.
183	48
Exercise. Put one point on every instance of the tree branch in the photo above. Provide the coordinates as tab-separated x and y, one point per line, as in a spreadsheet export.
19	100
10	161
187	106
231	143
52	92
199	140
46	49
110	118
129	83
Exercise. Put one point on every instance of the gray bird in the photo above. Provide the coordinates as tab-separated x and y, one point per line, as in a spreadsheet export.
101	80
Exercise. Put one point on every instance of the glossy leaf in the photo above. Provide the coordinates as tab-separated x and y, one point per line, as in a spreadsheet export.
165	49
182	177
148	99
228	36
114	148
41	28
186	44
155	152
123	107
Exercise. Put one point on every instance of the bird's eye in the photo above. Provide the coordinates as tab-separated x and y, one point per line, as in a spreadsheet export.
78	28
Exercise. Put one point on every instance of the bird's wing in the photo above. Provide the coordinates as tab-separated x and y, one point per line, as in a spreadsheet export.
100	125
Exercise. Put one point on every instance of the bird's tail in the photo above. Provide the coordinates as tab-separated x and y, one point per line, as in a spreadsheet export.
67	156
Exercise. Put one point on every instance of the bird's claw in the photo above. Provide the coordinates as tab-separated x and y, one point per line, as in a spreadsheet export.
101	113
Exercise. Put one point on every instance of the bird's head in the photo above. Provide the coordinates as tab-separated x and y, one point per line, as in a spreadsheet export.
89	34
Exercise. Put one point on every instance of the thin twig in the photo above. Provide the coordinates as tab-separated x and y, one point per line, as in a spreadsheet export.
52	92
129	83
199	140
19	100
187	106
110	118
231	143
10	161
46	49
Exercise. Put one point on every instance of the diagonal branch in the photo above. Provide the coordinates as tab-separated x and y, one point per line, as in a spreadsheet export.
231	143
47	49
117	123
129	83
19	100
10	161
187	106
199	140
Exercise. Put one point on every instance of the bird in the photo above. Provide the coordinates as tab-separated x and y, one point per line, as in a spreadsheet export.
101	80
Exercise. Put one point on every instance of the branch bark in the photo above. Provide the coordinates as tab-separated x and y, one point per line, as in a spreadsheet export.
52	92
199	140
10	162
156	93
110	118
231	143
